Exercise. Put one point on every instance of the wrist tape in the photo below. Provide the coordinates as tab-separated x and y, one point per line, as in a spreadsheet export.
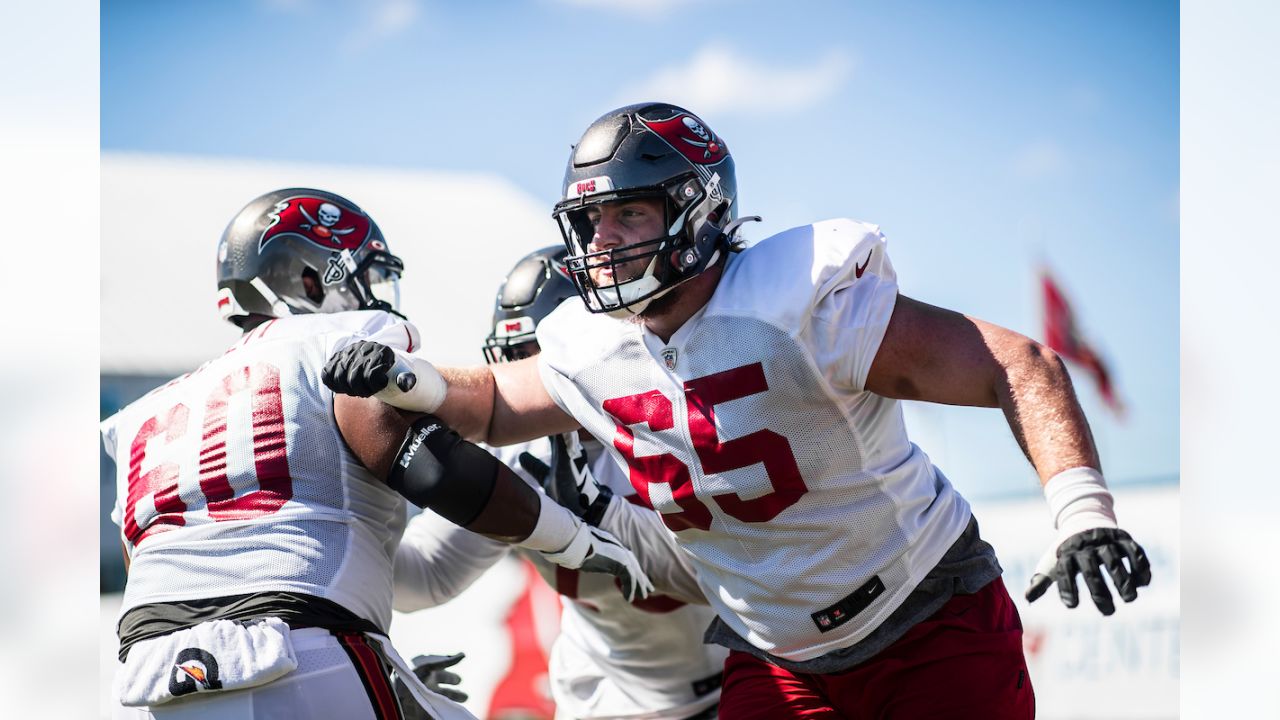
556	528
436	469
426	394
1079	500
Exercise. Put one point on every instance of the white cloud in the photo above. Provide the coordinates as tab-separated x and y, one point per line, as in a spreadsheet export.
286	5
394	16
1040	159
637	8
380	20
373	20
718	80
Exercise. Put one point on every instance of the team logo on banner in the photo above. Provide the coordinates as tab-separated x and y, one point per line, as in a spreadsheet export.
323	222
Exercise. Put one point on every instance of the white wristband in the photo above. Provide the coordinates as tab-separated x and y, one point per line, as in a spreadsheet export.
556	527
425	396
1078	501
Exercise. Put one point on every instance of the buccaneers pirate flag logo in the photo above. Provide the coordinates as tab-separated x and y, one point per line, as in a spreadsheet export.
324	222
690	137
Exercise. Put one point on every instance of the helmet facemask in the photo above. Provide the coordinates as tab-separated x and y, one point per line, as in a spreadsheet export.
375	281
648	150
641	272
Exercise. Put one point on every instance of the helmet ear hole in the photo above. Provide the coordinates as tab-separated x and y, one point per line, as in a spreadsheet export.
311	285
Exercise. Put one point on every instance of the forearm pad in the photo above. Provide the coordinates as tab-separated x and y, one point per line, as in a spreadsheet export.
438	470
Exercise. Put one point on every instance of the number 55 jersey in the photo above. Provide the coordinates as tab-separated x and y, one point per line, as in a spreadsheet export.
234	479
808	513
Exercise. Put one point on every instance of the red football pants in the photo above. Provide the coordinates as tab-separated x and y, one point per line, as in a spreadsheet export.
964	661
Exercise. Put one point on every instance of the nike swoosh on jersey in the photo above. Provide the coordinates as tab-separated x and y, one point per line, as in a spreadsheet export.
859	269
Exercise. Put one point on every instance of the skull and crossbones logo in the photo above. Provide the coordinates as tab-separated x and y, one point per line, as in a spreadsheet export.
329	214
709	145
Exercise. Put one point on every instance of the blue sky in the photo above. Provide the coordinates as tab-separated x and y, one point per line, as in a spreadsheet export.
985	138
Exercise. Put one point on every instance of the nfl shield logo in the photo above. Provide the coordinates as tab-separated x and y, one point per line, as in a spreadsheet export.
669	357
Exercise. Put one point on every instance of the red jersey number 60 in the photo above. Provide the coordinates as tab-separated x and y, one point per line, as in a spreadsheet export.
261	382
762	446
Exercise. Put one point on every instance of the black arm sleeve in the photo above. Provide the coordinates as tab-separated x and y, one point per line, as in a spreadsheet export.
436	469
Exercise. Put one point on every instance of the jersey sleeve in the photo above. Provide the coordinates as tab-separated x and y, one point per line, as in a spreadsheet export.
437	561
856	290
553	381
377	326
551	333
108	431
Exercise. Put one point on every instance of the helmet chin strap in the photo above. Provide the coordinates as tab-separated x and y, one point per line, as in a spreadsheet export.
278	306
644	284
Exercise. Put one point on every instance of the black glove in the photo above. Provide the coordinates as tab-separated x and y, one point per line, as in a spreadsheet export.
1086	553
430	669
569	481
360	369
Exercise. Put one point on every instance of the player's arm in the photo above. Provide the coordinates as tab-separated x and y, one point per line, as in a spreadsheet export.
421	458
437	560
937	355
660	555
501	404
569	481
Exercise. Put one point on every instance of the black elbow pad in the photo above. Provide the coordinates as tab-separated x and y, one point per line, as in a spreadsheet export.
438	470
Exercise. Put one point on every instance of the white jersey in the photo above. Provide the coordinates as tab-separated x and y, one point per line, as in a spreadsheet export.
612	659
808	513
234	479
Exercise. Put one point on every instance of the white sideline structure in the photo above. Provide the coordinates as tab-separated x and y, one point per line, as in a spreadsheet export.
458	234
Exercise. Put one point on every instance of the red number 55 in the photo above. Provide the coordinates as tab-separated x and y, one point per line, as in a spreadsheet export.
762	446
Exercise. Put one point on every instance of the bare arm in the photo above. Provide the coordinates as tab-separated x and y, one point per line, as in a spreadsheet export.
468	486
501	404
374	431
937	355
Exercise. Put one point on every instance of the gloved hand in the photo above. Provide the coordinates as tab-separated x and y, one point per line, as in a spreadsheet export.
568	480
595	550
1086	553
360	369
430	669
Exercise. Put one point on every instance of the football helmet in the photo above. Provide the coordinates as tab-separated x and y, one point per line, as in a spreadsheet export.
300	250
650	150
534	287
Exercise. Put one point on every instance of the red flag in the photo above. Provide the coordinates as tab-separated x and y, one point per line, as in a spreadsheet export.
1063	337
524	691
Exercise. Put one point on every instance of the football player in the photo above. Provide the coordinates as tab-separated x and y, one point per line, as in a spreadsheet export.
259	526
612	658
754	398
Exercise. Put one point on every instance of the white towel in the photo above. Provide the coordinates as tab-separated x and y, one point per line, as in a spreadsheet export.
210	657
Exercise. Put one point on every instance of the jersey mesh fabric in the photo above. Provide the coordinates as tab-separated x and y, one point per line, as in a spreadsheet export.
873	504
614	658
297	512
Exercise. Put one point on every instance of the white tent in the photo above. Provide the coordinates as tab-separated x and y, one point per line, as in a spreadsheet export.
458	233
